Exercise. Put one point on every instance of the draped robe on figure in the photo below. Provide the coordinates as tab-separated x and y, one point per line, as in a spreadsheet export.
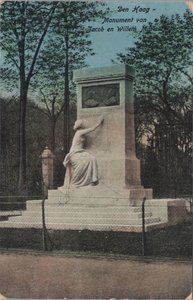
81	166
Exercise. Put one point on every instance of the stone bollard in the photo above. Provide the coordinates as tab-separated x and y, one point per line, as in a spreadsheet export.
47	170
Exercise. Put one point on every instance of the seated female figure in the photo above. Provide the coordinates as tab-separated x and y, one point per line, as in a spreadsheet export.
81	166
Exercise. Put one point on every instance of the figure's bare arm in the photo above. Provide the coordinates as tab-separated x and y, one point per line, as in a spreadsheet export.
87	130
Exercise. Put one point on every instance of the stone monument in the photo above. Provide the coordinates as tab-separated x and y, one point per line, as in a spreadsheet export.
107	94
102	187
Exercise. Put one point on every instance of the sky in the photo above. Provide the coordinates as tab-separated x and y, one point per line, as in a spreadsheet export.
107	44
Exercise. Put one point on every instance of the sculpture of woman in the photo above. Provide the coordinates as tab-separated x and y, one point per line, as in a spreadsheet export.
81	166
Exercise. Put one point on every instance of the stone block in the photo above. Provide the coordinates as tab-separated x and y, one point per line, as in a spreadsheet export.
113	144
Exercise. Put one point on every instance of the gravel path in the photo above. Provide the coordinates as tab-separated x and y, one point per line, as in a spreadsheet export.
66	276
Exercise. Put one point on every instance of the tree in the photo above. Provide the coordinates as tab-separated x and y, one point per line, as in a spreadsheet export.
37	139
53	111
33	35
24	26
49	83
70	31
8	143
162	57
66	47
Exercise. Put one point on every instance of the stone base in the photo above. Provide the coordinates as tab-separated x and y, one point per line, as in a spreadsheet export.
64	213
170	211
99	194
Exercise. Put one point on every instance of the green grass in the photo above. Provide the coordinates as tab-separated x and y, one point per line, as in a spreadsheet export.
174	241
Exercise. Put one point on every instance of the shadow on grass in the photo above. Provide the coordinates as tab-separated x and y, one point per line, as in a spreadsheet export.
174	241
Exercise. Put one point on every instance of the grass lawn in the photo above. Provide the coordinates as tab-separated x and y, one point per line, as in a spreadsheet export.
174	241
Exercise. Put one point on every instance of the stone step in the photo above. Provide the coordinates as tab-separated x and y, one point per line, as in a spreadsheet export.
96	227
5	215
20	224
96	208
85	220
84	214
102	221
25	219
126	221
104	227
10	213
85	208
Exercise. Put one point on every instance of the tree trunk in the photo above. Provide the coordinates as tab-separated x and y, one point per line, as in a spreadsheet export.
0	127
66	99
53	125
22	139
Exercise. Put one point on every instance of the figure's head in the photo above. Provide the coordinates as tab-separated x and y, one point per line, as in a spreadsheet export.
78	124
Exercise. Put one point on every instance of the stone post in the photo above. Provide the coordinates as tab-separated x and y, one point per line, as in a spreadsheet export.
47	169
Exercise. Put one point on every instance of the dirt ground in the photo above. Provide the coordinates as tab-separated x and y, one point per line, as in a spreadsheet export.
83	277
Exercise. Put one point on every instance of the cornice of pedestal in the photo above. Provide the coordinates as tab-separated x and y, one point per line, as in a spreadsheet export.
116	72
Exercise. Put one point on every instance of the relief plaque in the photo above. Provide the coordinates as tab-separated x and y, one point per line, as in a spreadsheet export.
100	96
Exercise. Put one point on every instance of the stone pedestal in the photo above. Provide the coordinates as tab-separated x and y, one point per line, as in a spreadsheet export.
108	91
47	169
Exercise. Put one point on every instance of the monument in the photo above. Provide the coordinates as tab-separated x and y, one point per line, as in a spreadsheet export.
105	94
102	187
